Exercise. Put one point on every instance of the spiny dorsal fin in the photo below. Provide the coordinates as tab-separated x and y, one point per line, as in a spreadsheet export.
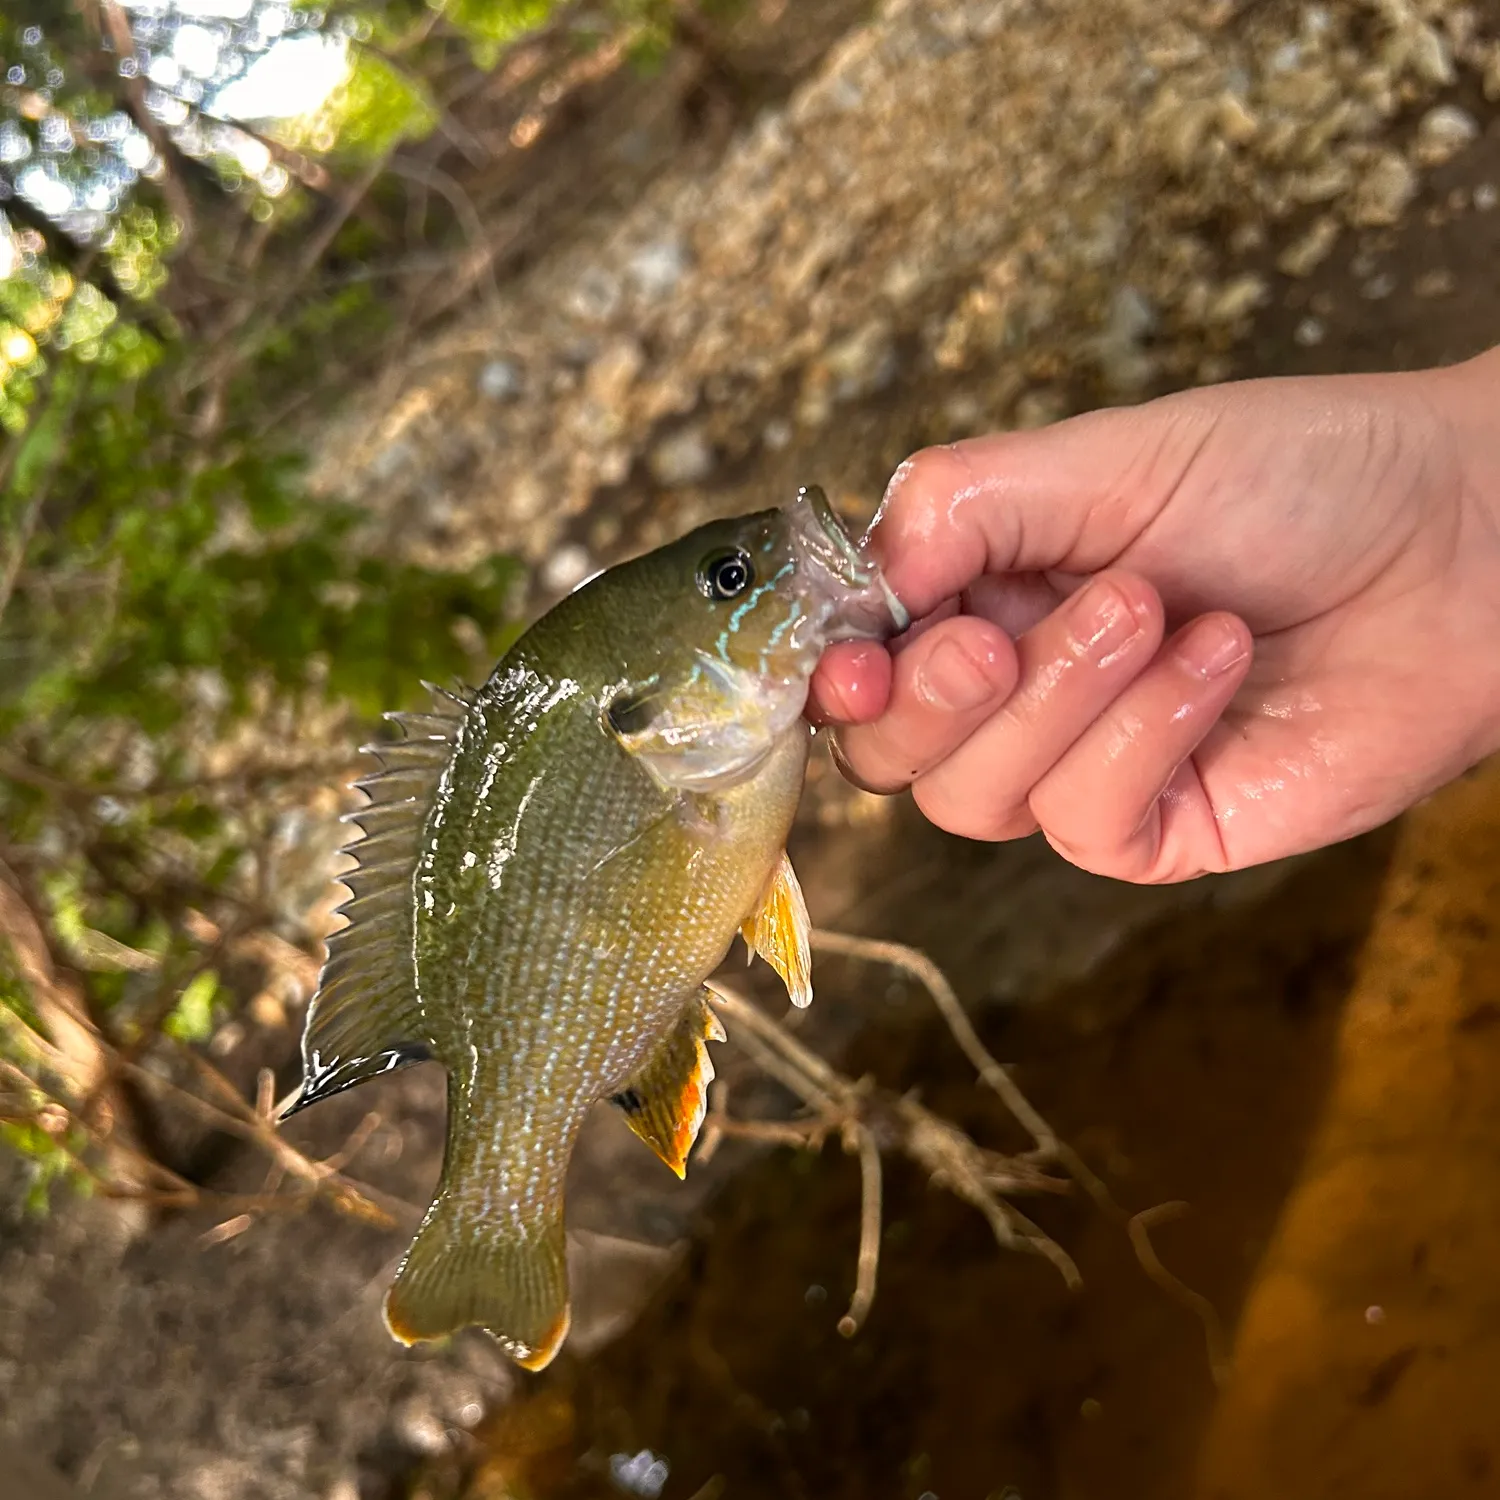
364	1018
665	1102
778	930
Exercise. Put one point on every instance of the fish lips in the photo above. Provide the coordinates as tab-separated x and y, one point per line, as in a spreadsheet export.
843	587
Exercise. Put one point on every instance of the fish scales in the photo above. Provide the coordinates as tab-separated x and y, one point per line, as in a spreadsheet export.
600	820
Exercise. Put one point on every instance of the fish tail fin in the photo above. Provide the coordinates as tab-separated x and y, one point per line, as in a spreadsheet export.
461	1271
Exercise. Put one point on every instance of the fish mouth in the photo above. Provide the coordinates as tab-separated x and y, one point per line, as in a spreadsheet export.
854	600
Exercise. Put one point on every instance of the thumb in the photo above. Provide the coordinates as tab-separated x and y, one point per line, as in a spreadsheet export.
1070	498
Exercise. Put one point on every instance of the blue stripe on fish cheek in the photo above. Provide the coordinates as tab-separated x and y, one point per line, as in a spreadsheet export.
741	610
786	624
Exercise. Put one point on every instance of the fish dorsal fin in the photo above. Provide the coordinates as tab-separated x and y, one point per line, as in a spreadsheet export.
364	1019
665	1102
778	930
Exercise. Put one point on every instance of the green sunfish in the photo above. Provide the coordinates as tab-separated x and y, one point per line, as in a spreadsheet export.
552	868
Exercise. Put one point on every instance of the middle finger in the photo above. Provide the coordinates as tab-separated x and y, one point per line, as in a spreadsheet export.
1072	665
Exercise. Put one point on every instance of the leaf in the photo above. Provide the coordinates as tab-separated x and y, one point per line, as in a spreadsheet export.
192	1018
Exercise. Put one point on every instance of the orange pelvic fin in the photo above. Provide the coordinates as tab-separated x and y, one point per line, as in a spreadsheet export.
665	1102
778	930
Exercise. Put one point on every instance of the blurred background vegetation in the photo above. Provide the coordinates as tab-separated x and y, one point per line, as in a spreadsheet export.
211	212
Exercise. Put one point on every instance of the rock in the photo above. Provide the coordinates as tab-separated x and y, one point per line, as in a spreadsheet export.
777	434
1039	407
963	413
1126	365
1310	332
863	363
566	568
1238	299
1429	57
1443	133
1237	121
683	457
501	380
1385	192
613	464
1430	284
609	378
1304	255
419	1427
658	267
595	296
1330	180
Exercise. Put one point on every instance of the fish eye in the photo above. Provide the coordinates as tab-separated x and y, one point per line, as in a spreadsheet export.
726	575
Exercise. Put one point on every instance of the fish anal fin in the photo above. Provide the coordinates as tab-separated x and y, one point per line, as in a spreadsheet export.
463	1271
664	1103
778	929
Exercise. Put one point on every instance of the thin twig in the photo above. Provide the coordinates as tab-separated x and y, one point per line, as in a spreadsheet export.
243	1122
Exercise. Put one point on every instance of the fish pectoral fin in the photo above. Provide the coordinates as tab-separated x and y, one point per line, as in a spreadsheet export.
778	930
665	1101
464	1270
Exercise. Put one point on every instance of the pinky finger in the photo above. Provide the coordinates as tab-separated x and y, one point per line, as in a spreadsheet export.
1122	802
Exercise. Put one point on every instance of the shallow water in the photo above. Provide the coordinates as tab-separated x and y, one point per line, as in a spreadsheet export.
1312	1071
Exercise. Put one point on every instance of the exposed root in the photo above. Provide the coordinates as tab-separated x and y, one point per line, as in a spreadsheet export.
869	1119
935	982
1139	1227
868	1263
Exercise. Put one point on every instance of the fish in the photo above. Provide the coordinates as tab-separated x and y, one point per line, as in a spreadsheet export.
554	865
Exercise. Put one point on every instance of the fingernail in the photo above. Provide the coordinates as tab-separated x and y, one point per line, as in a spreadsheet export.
1212	648
1103	621
954	679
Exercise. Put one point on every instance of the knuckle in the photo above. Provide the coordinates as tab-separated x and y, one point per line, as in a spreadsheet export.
989	822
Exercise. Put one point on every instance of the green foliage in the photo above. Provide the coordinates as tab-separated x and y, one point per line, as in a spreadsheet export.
493	25
217	561
49	1162
192	641
378	106
192	1018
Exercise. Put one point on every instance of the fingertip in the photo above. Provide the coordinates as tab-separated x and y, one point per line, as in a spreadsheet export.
1216	645
958	666
852	684
915	514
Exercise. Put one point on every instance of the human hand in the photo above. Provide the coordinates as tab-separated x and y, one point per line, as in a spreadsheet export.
1195	635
